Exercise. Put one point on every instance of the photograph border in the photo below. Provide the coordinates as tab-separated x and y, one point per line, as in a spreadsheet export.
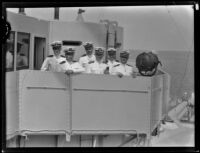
27	4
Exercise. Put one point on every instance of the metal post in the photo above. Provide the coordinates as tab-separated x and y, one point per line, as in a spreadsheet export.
22	11
94	141
56	13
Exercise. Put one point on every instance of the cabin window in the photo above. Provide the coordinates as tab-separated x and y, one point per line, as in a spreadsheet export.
23	45
10	52
39	52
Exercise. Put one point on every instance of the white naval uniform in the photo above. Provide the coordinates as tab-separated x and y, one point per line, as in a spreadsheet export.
111	66
85	60
51	63
9	60
125	69
74	66
22	60
96	68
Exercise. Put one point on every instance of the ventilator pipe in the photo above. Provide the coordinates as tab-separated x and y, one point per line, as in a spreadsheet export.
22	11
111	39
115	23
107	23
56	13
80	11
80	17
112	34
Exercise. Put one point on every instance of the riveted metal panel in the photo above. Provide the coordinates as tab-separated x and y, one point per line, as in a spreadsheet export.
166	94
44	102
158	101
110	104
50	103
109	82
12	104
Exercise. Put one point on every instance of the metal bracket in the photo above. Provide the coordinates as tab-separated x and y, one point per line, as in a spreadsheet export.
24	135
68	137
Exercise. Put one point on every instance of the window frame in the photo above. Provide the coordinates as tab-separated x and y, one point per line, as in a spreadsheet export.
28	52
13	47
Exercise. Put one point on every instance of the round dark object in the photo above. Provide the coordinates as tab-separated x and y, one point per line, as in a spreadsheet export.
147	63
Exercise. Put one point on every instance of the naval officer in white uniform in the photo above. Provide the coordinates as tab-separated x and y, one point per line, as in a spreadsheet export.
124	69
98	66
111	62
69	66
89	56
51	63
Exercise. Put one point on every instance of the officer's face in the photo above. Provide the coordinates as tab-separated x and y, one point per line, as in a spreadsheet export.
112	57
69	57
98	57
89	51
56	51
123	60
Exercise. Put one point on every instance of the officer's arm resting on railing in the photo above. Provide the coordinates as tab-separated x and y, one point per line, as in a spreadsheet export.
79	70
106	71
119	74
134	74
45	65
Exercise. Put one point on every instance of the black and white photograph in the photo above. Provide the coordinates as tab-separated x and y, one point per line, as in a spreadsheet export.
99	76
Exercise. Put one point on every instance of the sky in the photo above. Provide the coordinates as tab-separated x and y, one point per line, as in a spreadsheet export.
145	27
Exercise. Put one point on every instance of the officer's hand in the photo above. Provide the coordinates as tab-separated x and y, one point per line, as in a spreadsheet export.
120	74
84	65
106	71
134	74
68	72
90	62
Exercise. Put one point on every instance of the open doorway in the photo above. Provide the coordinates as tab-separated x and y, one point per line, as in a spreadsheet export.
39	52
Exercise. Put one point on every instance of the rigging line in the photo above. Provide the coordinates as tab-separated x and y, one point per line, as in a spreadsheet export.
184	74
189	51
178	29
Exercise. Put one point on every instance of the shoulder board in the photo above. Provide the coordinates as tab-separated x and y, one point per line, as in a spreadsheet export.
74	61
129	65
50	56
62	55
21	54
90	62
83	55
62	62
116	65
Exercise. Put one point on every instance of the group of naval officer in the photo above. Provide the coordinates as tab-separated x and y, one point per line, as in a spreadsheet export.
91	62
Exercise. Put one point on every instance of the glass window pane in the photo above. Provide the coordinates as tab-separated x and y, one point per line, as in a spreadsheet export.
10	52
23	43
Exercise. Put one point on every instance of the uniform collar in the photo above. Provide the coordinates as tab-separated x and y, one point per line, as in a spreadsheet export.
57	56
69	62
123	64
90	56
112	62
99	62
